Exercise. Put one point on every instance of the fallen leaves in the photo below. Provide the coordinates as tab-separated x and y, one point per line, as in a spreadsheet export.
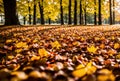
57	53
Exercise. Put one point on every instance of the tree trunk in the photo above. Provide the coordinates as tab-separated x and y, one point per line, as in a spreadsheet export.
75	12
110	7
69	22
95	14
80	21
99	13
11	17
29	9
49	21
61	14
113	11
34	13
41	12
24	19
85	14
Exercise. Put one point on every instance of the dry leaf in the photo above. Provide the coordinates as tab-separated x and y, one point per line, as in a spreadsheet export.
116	46
79	73
21	45
42	52
92	49
56	45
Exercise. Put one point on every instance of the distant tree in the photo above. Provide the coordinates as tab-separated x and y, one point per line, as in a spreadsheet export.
69	14
11	17
95	14
75	12
80	20
110	11
61	13
99	13
41	11
34	13
29	9
85	13
113	11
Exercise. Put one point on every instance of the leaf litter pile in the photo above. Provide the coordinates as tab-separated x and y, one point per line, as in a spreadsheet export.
60	53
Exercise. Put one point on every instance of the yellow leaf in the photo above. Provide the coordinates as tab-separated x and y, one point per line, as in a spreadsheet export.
89	65
116	46
21	45
113	38
79	73
82	39
97	38
56	45
35	58
10	56
105	75
80	66
102	78
18	50
20	75
8	41
43	53
105	71
92	49
91	70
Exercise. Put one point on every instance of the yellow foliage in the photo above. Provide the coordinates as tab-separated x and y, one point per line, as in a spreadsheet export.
10	56
8	41
79	73
80	66
90	68
35	58
81	70
116	46
105	75
18	50
105	71
21	45
56	45
92	49
43	53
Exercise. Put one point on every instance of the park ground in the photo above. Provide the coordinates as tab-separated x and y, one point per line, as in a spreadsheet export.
60	53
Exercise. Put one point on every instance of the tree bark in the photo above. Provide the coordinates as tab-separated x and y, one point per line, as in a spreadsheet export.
41	12
80	20
11	17
24	19
110	12
61	13
34	13
75	12
113	11
95	14
49	20
69	20
85	14
29	10
99	13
